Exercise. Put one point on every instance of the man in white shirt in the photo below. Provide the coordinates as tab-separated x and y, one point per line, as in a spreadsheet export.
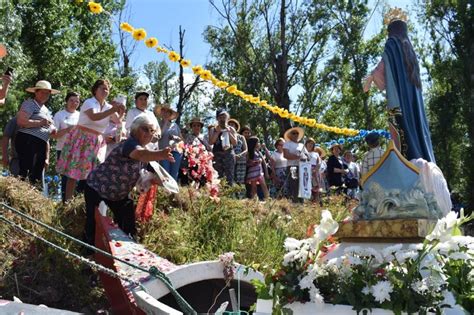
141	105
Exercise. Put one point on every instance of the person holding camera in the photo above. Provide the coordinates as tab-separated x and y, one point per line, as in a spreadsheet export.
6	78
35	127
223	138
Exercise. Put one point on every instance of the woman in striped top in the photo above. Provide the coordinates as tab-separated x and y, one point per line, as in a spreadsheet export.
35	126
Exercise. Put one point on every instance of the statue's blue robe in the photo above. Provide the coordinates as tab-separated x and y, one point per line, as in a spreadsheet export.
403	94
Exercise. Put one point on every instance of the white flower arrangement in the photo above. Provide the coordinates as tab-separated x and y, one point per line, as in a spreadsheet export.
419	278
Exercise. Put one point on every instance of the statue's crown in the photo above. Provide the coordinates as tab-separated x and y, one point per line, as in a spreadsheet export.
395	14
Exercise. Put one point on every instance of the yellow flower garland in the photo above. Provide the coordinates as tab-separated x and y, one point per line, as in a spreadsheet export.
140	34
185	63
95	7
174	56
151	42
126	27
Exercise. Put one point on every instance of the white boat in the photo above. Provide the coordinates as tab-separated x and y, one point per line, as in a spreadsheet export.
198	283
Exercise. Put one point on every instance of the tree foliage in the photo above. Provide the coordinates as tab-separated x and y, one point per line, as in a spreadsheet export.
451	28
60	41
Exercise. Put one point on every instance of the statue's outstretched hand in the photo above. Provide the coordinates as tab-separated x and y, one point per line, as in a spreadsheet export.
368	83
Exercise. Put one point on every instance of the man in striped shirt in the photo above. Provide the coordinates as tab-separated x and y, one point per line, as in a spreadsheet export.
375	153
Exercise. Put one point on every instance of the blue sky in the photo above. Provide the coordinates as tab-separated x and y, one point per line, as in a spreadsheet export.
162	18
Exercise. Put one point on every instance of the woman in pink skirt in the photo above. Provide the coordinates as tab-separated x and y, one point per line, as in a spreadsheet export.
85	147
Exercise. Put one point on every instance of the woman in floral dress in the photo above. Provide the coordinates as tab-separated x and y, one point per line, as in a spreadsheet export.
85	146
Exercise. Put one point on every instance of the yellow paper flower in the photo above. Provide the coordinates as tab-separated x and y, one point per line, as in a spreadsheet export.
232	89
255	100
173	56
197	70
95	7
239	93
206	74
222	84
139	34
151	42
185	63
214	80
126	27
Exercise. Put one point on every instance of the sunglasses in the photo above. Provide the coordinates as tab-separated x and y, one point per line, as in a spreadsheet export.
148	129
295	133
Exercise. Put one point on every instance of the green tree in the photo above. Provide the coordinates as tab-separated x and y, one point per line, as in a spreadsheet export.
451	26
159	74
62	42
263	47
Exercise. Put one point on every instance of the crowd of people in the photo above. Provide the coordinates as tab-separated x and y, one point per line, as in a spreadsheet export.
101	148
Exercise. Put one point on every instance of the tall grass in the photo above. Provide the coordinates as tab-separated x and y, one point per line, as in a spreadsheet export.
192	227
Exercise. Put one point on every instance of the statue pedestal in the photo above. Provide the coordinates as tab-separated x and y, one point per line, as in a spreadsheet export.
385	231
379	234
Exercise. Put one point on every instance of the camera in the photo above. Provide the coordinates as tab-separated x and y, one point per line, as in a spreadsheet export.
9	71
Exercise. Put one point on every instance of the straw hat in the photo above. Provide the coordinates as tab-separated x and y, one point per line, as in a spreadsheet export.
336	145
3	51
289	131
232	120
42	85
320	151
196	120
158	108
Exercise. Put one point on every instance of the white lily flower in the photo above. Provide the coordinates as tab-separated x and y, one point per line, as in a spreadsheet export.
443	229
327	227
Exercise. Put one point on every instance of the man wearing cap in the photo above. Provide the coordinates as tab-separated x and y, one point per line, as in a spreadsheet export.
35	126
141	105
375	153
223	138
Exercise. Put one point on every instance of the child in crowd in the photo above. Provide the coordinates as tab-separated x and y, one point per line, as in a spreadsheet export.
254	168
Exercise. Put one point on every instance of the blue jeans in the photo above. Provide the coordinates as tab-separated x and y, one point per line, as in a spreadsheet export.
173	168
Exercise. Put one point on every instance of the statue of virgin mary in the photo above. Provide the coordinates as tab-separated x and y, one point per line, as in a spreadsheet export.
399	74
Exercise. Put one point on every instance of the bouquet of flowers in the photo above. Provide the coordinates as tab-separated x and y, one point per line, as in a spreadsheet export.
199	168
425	277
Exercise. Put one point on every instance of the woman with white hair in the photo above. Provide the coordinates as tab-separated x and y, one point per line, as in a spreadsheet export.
113	180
